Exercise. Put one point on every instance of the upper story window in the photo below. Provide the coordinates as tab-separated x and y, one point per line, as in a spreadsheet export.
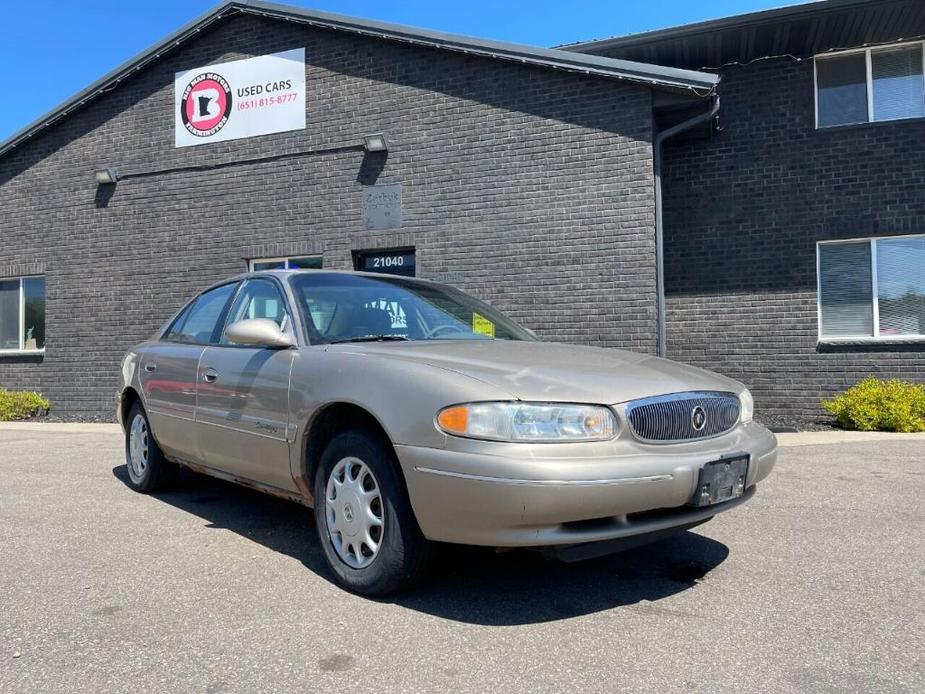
870	85
309	262
872	289
22	314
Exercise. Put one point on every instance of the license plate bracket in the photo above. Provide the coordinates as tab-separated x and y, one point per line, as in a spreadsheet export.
721	480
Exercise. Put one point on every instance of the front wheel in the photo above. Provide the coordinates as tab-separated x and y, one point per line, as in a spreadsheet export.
370	538
148	469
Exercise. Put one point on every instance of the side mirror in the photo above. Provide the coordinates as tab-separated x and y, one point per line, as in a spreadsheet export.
258	332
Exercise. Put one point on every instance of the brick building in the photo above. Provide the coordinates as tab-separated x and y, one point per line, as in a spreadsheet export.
547	182
522	175
819	141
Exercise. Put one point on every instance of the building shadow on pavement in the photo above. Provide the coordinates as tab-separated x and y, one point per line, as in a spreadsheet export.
467	584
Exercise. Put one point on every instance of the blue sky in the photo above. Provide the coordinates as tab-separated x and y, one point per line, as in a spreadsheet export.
63	45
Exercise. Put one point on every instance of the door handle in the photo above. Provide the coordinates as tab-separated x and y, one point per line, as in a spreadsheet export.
150	366
210	375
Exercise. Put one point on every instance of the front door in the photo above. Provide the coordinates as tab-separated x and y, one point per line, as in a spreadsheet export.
242	410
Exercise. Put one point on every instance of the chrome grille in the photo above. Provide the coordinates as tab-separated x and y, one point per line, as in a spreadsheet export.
670	418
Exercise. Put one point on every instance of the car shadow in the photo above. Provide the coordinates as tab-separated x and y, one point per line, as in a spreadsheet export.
467	584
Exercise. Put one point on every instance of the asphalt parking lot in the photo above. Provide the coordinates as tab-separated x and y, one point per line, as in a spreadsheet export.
815	586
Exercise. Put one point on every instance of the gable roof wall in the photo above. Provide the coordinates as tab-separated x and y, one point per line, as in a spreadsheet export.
653	76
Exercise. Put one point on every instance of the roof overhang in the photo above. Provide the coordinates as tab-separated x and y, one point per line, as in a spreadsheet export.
800	31
664	78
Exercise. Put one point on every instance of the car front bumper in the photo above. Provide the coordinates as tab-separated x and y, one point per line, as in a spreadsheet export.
511	495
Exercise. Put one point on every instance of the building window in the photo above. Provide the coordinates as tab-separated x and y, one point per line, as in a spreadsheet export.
870	85
22	314
307	262
872	289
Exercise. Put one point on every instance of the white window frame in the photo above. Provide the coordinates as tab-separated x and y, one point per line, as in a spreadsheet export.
22	317
282	259
870	81
877	337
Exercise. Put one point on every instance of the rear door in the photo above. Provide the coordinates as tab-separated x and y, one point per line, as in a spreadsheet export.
169	370
242	410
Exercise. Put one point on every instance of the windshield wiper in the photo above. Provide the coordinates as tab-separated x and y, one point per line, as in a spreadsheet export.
371	338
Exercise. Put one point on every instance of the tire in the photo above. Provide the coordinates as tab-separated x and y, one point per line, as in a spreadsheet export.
358	475
148	469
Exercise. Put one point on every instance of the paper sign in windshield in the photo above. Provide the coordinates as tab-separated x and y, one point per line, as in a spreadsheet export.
482	326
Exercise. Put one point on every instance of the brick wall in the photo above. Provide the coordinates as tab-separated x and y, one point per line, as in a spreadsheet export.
534	186
744	209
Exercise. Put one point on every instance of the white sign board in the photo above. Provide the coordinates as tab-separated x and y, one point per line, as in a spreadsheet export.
240	99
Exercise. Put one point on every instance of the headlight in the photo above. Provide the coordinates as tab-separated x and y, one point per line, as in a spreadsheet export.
536	422
747	406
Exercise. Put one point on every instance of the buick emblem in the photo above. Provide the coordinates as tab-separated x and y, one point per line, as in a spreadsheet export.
348	513
698	418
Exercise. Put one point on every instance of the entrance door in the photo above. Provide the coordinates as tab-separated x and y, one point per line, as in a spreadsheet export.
242	411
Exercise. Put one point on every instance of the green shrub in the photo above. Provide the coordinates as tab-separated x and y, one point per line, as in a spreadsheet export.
16	404
875	405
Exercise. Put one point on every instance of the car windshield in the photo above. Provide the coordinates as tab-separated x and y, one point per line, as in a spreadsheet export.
357	308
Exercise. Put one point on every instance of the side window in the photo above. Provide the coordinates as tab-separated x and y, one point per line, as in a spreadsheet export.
197	324
177	323
872	289
260	298
22	314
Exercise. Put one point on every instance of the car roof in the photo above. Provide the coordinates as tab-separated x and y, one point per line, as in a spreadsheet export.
325	271
290	273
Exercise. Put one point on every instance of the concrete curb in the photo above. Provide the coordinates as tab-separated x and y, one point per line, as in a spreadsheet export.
821	438
63	427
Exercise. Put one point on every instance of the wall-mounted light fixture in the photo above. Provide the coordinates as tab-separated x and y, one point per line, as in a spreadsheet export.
104	176
376	143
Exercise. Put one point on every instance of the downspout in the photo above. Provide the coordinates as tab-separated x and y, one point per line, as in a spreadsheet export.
660	137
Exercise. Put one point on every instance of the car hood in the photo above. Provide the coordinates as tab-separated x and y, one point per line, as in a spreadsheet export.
548	371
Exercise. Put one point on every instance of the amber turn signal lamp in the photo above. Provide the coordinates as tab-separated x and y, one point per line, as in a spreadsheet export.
454	420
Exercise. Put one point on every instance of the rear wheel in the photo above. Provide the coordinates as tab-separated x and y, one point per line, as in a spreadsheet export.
370	538
148	469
